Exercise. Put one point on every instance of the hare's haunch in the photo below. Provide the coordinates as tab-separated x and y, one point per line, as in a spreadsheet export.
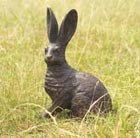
69	89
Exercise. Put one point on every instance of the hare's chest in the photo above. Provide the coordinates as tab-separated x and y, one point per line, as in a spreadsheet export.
59	83
56	86
53	85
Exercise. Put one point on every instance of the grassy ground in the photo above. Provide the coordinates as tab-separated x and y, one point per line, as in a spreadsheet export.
106	44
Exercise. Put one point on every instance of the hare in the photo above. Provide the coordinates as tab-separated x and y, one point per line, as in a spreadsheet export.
69	89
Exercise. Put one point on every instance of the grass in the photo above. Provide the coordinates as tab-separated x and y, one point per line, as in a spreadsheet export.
106	44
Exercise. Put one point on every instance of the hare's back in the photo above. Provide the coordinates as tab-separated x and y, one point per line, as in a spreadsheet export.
89	85
90	91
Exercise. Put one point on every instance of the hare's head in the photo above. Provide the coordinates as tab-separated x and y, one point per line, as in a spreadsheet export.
58	40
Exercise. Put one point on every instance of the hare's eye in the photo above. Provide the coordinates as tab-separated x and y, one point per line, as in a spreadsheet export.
56	49
46	50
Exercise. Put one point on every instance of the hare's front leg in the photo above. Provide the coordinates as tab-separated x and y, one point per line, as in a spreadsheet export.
53	109
58	105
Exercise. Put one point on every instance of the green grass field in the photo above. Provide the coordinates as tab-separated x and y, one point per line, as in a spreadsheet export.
106	44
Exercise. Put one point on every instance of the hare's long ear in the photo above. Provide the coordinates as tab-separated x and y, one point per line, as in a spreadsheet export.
68	27
52	26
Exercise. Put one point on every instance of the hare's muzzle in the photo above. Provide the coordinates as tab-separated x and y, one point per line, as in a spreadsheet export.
49	57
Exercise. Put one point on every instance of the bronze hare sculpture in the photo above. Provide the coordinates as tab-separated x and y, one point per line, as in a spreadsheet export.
69	89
